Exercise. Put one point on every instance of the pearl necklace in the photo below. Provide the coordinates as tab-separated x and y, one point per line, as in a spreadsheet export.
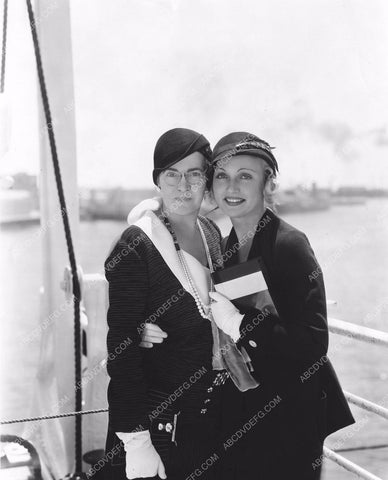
203	309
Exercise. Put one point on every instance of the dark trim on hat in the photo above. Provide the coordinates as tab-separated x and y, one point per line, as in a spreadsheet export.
244	143
230	151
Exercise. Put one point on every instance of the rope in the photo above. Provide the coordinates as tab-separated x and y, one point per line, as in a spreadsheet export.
4	45
50	417
70	248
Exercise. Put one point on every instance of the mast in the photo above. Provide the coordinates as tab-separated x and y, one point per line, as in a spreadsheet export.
55	390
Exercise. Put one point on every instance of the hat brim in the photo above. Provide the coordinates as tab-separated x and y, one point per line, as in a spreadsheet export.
254	152
203	149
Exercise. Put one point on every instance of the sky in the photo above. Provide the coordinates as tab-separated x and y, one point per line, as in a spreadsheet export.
309	77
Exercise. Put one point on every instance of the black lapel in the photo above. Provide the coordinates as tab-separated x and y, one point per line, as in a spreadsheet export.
265	236
231	250
263	244
262	247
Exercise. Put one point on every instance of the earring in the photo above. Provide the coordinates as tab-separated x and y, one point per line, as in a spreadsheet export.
273	184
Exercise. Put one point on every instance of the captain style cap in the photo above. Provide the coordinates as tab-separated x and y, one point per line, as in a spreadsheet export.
244	143
175	145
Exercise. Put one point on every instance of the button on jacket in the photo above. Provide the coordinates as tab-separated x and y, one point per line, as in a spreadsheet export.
143	287
288	355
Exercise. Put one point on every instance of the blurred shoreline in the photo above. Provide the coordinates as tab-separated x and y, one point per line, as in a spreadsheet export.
19	200
350	242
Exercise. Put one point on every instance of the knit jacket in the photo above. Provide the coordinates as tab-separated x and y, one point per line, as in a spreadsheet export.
147	283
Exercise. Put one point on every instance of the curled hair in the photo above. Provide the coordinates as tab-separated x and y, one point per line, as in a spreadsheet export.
270	187
209	175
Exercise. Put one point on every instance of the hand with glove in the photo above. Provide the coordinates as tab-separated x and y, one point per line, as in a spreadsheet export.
226	315
141	460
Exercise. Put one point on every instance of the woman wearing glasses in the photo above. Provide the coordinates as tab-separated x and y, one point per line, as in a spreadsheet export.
276	413
161	401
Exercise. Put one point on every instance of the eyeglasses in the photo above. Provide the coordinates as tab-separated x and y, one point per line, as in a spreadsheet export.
193	177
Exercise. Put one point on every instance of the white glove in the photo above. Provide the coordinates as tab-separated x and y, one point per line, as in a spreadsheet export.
141	460
226	315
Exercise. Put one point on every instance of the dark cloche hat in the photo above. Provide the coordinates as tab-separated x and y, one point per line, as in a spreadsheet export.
175	145
244	143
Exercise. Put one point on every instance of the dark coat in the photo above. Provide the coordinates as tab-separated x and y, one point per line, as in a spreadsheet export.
143	288
288	354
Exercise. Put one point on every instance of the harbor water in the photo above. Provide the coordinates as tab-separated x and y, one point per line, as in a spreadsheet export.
351	243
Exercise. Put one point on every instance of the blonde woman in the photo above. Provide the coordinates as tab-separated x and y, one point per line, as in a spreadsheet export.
274	428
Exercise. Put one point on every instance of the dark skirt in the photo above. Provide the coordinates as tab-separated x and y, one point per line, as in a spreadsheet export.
192	451
191	455
272	447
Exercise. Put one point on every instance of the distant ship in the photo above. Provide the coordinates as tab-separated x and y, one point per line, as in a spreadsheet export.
65	437
351	195
16	207
299	200
19	202
115	204
111	203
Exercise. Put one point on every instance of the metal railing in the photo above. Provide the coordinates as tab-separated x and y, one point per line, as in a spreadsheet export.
348	465
95	301
358	332
369	335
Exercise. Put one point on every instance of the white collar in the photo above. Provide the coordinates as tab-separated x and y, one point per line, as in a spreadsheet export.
157	232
